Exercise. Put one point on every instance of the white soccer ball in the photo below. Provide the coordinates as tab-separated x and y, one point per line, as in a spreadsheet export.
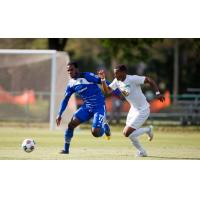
28	145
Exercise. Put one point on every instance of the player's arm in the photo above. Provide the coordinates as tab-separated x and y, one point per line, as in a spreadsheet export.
98	80
63	105
106	88
153	85
91	77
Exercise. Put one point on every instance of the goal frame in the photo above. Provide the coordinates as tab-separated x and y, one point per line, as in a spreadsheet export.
52	53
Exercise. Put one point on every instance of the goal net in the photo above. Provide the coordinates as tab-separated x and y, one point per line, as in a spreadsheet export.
32	84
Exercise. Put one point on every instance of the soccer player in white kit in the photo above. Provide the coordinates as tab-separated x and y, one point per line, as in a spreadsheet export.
129	85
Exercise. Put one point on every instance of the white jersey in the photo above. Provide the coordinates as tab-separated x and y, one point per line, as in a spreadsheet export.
132	89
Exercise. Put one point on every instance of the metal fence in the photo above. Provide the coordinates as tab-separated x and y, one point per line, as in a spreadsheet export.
30	107
27	106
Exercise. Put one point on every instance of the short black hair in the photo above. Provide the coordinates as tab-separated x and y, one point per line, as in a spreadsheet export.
121	68
75	64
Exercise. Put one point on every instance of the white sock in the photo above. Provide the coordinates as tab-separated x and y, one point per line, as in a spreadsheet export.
133	137
140	131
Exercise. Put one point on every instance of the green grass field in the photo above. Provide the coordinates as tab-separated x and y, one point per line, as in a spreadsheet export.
168	143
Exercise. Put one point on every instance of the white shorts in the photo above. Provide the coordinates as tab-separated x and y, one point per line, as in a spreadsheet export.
136	118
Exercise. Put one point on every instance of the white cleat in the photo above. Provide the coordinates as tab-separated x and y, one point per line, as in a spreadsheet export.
150	133
142	153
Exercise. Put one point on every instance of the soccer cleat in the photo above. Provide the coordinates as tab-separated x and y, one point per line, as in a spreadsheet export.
107	131
150	133
64	152
108	137
142	153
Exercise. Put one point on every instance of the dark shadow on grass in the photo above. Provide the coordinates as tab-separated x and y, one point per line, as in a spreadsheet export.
172	158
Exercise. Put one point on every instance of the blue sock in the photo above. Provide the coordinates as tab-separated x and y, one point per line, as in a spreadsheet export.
66	147
68	137
106	128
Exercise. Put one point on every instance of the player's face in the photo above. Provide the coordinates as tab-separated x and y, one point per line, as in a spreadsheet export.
72	71
119	75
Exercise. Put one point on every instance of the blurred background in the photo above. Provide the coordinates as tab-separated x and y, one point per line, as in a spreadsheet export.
26	78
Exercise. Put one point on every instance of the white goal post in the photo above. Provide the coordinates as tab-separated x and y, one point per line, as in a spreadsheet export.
52	54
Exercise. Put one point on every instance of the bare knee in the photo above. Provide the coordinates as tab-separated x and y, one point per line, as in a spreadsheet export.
127	131
126	134
96	132
73	123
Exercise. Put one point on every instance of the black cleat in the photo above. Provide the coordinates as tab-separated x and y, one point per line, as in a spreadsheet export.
64	152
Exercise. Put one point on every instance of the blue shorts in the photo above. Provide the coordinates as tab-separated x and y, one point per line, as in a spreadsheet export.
84	114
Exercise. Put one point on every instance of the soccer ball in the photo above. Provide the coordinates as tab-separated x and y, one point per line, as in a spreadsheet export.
28	145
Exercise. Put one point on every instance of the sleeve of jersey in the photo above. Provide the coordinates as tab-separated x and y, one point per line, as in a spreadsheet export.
64	102
113	85
115	91
90	77
138	80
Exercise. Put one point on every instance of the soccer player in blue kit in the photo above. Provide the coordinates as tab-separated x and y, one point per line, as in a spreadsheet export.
85	84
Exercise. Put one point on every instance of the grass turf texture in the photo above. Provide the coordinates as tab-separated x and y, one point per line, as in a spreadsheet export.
168	143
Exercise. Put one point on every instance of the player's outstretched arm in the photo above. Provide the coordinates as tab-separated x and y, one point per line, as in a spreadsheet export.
105	87
152	83
62	109
63	104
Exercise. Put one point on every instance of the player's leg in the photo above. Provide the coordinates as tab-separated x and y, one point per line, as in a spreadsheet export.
69	134
106	126
139	121
80	116
150	133
100	126
97	125
133	134
135	120
107	130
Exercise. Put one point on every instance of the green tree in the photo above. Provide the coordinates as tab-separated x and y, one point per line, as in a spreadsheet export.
57	43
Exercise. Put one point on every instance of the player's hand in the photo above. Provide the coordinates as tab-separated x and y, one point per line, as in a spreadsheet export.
101	74
125	93
58	120
160	97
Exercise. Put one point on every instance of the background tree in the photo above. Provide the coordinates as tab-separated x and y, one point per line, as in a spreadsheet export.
155	56
57	43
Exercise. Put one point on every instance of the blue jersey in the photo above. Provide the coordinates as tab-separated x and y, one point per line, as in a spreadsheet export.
86	87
